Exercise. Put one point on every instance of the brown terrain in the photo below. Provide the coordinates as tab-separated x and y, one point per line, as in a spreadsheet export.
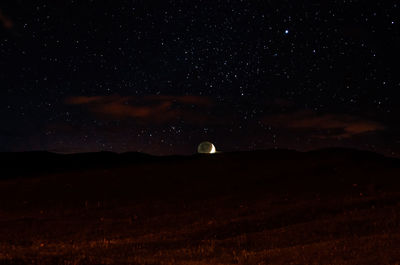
332	206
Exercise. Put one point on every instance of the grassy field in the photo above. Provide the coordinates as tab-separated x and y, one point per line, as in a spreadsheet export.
168	213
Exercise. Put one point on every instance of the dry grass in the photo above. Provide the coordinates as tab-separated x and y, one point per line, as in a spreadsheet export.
359	231
289	212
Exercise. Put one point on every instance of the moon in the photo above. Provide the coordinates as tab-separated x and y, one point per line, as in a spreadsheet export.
206	148
213	150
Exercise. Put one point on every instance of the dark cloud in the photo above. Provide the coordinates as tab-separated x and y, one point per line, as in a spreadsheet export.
153	108
6	21
283	103
325	126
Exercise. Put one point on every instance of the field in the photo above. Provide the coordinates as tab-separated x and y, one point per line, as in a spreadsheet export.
270	207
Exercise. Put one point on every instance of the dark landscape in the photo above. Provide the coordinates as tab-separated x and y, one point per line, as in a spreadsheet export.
199	132
330	206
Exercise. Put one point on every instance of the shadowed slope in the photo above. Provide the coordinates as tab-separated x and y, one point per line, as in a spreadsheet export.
330	206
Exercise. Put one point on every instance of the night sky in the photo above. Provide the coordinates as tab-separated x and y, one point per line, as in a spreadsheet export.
162	76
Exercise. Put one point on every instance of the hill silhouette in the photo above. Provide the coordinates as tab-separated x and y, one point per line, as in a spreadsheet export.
39	162
282	206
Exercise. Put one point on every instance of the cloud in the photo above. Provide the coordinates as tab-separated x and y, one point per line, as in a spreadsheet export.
188	99
6	21
325	126
83	100
153	108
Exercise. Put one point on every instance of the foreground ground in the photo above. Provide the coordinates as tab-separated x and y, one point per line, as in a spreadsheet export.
279	208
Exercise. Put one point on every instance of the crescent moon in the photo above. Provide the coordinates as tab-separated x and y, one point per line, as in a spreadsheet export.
213	150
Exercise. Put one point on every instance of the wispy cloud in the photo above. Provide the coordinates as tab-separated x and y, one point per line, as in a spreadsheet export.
153	108
326	125
6	21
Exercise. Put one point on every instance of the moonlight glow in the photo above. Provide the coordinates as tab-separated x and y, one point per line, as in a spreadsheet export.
206	148
213	150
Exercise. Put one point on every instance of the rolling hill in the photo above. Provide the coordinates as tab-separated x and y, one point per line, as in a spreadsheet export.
330	206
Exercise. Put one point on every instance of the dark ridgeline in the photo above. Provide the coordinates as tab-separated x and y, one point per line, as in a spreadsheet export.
325	168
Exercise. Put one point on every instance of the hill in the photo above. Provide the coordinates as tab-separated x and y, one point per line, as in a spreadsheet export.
331	206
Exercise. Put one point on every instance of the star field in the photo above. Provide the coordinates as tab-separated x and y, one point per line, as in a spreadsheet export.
162	76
